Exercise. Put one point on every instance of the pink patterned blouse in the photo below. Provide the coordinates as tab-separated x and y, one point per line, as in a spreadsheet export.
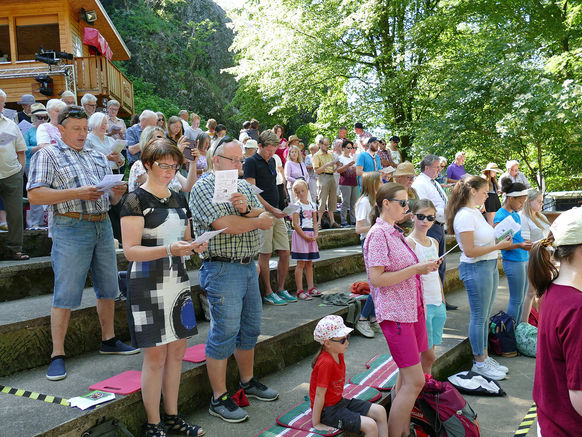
386	247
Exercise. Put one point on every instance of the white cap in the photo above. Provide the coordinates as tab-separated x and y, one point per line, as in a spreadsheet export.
330	327
567	228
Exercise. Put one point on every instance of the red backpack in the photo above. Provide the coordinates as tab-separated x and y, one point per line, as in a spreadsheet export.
441	411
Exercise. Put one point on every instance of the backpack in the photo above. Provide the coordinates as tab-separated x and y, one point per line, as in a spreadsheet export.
526	338
441	411
108	428
502	335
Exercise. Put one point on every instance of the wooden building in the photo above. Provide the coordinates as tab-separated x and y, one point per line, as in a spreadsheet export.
80	28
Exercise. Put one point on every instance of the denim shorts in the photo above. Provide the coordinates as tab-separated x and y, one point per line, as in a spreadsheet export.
346	414
80	246
235	305
436	315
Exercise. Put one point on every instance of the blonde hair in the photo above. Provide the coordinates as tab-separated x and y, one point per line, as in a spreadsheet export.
300	182
535	216
299	154
370	182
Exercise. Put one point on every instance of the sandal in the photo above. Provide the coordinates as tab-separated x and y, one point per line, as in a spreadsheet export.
303	295
19	256
154	430
175	424
314	292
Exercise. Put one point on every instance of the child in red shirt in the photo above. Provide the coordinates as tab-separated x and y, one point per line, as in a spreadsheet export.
329	408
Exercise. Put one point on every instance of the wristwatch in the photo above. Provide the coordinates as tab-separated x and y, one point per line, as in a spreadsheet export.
247	211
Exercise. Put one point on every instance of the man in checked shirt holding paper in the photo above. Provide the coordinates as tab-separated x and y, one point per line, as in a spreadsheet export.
65	176
229	277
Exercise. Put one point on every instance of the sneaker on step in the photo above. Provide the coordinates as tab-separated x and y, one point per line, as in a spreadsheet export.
226	409
273	299
254	389
56	370
376	327
489	371
119	348
495	364
363	327
284	294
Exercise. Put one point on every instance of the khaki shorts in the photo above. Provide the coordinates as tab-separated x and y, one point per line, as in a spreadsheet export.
275	238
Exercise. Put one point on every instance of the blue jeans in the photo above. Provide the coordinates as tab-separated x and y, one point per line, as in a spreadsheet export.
80	245
516	272
235	305
481	280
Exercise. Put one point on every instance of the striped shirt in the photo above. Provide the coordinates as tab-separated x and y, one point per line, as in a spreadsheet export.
61	167
204	212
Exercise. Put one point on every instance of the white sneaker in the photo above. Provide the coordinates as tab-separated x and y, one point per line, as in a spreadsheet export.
363	327
489	371
496	365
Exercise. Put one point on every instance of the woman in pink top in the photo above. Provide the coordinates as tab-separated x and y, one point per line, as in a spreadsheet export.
394	276
295	169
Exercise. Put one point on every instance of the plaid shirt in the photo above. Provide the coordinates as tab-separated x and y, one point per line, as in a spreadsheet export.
61	167
204	212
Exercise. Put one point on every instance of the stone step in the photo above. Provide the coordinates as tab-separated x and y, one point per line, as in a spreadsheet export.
35	277
25	340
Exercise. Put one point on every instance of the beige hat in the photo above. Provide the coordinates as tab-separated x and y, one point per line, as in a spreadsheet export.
491	167
567	228
293	138
251	144
38	109
404	169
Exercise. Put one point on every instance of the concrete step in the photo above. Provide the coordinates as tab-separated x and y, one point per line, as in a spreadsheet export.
25	340
35	276
35	243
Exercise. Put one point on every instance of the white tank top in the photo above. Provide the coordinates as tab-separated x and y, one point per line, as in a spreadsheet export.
431	282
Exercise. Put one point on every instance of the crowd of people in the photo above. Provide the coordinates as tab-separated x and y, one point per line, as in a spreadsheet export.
402	217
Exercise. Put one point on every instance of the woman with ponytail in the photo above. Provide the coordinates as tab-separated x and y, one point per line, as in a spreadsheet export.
558	379
394	276
478	267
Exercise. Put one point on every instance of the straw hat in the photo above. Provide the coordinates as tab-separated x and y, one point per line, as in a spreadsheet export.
38	109
404	169
491	167
293	138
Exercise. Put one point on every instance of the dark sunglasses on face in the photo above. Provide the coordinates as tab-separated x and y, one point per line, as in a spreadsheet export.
341	340
41	117
430	218
402	203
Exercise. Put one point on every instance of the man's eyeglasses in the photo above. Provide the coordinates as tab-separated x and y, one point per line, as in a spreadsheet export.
236	161
74	113
163	166
341	340
402	203
430	218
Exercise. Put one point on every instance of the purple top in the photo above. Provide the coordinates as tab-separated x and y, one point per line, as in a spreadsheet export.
293	171
455	171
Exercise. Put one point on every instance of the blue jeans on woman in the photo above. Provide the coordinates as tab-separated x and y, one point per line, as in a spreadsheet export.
481	280
516	272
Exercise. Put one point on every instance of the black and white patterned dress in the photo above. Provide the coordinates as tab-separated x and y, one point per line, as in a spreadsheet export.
159	300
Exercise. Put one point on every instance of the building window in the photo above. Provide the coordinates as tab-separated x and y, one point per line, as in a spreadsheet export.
4	40
77	46
32	33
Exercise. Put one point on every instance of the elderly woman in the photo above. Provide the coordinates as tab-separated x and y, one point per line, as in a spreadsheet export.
97	140
115	126
294	170
514	174
404	175
69	98
48	133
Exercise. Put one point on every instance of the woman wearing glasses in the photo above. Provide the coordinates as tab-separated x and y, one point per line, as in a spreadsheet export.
161	123
478	267
394	276
348	183
156	236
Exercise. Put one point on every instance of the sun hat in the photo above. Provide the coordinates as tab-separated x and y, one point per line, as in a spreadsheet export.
567	228
251	144
404	169
27	99
293	138
38	109
491	167
330	327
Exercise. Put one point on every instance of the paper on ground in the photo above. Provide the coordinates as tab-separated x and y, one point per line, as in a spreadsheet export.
291	209
89	400
118	146
208	235
506	227
225	185
109	181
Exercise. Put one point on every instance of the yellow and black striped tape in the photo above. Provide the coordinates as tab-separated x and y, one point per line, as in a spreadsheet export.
527	421
33	395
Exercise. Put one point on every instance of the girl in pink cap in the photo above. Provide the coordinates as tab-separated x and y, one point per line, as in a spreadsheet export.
329	408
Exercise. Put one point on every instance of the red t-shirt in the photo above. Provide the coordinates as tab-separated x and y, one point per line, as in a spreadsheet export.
281	152
329	374
559	361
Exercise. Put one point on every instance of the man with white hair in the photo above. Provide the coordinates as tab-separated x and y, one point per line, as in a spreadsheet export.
89	102
12	161
456	170
513	173
147	118
68	98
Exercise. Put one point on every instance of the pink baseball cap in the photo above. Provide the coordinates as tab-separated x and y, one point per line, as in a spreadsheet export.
330	327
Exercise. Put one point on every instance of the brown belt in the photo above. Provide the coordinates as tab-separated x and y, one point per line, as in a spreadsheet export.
88	217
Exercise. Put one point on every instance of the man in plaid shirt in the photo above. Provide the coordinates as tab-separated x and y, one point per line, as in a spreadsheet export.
65	176
229	277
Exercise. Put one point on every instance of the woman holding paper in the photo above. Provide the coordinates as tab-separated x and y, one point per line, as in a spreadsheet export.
97	140
156	236
516	256
348	183
478	267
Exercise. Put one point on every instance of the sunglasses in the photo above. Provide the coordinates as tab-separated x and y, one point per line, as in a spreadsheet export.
402	203
349	148
161	119
341	340
430	218
75	113
41	117
163	166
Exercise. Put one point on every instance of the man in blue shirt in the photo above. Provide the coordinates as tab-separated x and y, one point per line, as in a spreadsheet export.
368	160
147	118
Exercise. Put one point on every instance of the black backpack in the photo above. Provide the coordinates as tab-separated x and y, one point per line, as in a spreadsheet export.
502	335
